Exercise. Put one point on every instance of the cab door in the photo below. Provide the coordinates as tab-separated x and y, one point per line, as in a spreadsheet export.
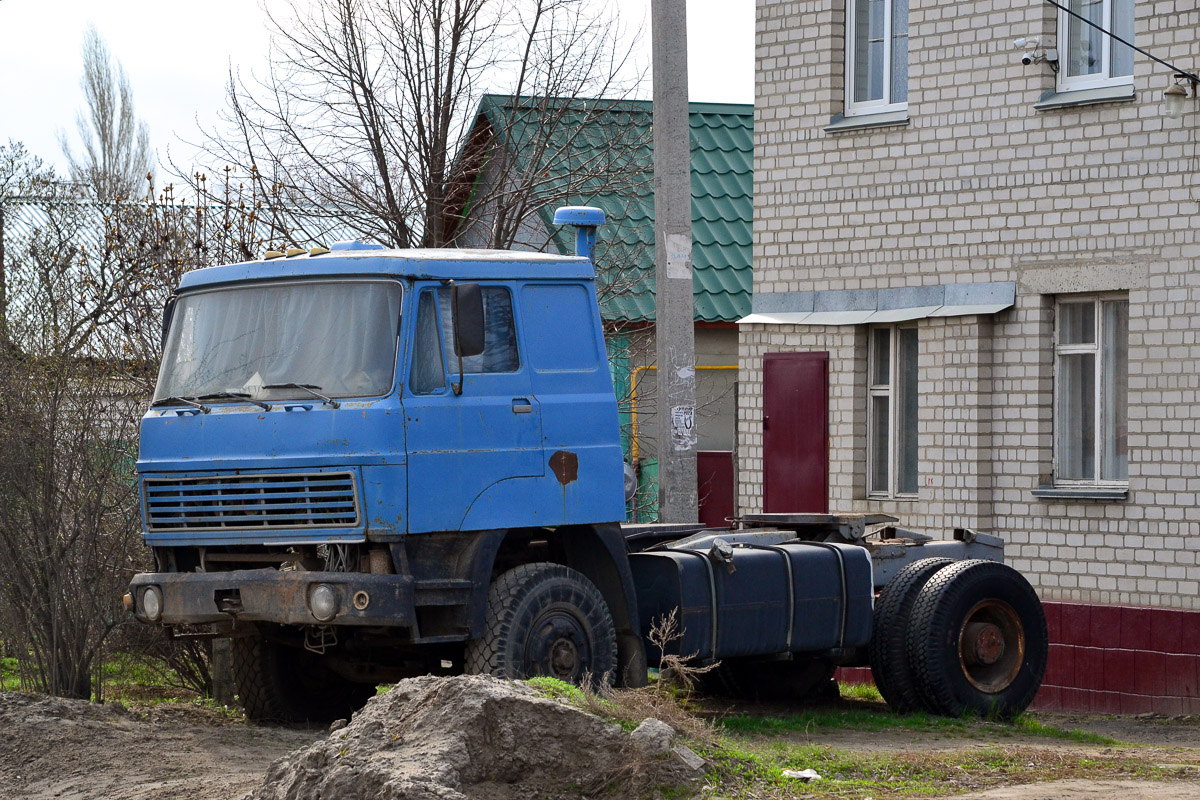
465	446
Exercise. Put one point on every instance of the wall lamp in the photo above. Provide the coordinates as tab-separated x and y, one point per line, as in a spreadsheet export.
1176	95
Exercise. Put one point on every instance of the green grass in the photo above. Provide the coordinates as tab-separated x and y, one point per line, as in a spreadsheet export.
865	692
556	689
9	679
755	769
123	677
141	680
840	717
753	751
128	670
872	719
1029	725
750	752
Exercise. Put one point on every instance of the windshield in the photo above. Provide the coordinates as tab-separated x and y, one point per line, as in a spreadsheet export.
336	337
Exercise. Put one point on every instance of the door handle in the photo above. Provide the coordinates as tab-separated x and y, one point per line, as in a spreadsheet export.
522	405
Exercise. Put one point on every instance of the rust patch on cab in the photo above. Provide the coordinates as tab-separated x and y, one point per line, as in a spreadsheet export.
565	466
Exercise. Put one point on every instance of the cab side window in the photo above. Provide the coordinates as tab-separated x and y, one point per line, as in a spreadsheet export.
500	335
428	368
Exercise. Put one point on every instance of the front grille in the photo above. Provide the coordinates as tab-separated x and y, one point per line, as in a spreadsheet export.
315	500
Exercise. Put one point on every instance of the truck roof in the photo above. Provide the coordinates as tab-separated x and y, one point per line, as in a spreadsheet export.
422	264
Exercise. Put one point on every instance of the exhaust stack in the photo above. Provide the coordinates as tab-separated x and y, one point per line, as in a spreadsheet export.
585	219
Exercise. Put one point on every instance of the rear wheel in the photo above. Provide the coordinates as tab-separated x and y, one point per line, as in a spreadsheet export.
281	684
977	641
546	619
888	656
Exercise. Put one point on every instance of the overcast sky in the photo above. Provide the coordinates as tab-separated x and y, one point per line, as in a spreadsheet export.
177	56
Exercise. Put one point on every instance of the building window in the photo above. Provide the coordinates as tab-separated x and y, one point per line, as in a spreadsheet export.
876	56
1089	58
1090	390
892	412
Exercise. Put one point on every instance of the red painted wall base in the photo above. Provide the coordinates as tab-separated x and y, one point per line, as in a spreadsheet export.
1114	660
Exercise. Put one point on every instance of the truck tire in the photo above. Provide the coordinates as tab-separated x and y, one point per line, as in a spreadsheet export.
887	654
290	685
545	619
977	642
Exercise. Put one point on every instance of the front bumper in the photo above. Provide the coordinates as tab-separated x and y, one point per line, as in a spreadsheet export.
268	595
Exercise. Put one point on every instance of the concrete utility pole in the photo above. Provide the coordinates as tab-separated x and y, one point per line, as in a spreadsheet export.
674	317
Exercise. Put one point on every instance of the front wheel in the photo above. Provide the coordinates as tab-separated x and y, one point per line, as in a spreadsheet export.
281	684
545	619
977	640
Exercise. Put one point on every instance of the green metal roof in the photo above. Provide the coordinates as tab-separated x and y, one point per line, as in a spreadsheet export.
722	143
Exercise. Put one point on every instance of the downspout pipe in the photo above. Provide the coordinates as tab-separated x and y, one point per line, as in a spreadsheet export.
585	219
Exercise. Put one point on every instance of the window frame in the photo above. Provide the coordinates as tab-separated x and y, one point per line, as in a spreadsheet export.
442	294
1103	78
884	105
1101	367
177	310
891	390
419	294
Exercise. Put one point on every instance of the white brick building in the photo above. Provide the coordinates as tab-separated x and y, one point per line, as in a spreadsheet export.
1000	261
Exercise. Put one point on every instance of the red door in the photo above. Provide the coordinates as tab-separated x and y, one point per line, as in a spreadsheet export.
796	432
714	487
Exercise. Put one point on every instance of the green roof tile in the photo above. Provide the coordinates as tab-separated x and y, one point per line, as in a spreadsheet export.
722	204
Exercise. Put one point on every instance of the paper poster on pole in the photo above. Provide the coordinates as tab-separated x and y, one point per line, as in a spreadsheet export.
683	427
679	256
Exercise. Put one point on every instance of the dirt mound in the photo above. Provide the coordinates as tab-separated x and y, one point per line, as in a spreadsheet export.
470	737
33	708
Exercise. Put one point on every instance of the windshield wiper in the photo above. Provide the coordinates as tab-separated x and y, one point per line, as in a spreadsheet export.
187	401
308	387
234	396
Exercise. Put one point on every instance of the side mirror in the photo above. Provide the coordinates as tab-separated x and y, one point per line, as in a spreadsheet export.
467	308
168	312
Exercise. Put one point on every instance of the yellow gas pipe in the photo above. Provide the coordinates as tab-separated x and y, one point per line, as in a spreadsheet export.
633	413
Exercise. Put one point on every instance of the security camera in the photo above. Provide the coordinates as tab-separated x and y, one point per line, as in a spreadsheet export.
1027	58
1027	41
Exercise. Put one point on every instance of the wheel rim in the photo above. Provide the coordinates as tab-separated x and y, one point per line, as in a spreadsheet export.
991	646
558	647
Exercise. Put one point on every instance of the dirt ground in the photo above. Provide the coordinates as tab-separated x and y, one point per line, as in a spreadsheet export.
70	749
54	748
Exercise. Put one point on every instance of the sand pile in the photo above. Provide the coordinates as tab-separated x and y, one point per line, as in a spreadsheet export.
475	737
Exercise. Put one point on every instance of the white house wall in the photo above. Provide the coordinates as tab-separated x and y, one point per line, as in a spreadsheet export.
980	186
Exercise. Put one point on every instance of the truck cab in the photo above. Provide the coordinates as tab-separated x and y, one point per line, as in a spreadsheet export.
345	448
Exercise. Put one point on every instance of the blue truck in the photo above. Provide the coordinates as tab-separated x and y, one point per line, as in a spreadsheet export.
364	464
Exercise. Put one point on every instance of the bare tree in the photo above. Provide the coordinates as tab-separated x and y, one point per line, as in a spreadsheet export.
21	175
116	157
366	113
84	284
68	517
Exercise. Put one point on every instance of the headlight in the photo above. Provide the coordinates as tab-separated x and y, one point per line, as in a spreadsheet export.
152	603
323	602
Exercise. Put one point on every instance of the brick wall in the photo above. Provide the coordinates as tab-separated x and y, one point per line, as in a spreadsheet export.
979	186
